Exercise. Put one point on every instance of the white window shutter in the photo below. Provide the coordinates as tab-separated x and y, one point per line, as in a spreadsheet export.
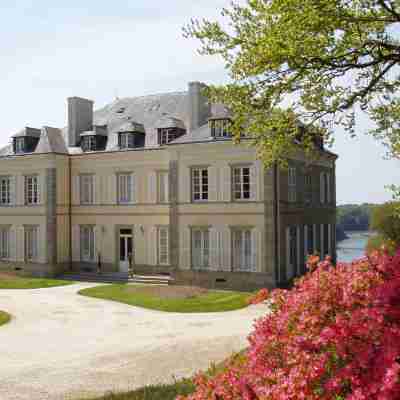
13	243
212	184
321	188
76	189
20	189
41	244
185	248
98	242
133	189
256	250
214	259
76	243
185	185
96	197
226	249
226	183
13	188
152	187
254	182
41	189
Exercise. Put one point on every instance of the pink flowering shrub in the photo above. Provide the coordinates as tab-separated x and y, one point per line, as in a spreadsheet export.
335	335
259	297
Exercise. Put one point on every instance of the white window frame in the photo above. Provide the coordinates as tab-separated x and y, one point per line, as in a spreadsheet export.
126	140
4	242
163	245
31	242
162	186
31	185
200	184
241	182
86	188
220	128
19	145
5	190
242	250
201	261
125	187
87	243
292	184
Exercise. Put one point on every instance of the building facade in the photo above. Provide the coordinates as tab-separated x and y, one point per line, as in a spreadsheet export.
158	177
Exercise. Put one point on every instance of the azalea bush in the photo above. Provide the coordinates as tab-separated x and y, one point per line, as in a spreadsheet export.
259	297
335	335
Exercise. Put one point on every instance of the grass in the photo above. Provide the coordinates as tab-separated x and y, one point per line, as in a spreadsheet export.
14	281
4	317
204	301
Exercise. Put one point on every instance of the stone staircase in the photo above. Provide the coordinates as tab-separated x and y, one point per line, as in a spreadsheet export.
117	277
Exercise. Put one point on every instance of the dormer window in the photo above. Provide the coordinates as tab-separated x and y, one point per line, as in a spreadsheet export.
89	143
169	128
167	135
26	140
220	128
126	140
131	135
94	140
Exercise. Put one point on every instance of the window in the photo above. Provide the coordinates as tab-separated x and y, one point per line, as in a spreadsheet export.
241	183
307	189
5	188
87	189
163	245
327	187
292	191
126	141
220	128
89	143
31	189
125	188
19	145
200	184
326	239
4	242
310	239
87	243
163	190
31	243
242	250
167	135
201	248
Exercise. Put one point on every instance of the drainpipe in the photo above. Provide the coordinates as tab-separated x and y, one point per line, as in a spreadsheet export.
70	212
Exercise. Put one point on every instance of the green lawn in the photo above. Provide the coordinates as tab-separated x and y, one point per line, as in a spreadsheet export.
4	317
142	296
14	281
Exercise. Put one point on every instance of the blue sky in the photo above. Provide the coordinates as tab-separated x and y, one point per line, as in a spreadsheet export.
52	50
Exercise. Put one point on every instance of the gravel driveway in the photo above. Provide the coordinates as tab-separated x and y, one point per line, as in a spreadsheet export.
60	345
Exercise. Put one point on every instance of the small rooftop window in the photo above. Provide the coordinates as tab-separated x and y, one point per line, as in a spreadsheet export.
169	129
26	140
95	140
131	135
220	128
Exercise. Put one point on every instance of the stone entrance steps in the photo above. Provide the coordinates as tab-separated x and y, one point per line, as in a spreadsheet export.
117	277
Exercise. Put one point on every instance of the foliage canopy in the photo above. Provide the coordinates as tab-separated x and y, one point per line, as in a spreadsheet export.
313	62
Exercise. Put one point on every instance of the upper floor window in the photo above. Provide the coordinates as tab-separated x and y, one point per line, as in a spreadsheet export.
325	187
5	190
163	245
19	145
199	184
163	192
201	248
241	183
220	128
31	189
125	188
308	189
242	250
4	242
31	243
87	188
87	245
89	143
126	140
292	184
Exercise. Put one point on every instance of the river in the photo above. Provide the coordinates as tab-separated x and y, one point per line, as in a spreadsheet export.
353	247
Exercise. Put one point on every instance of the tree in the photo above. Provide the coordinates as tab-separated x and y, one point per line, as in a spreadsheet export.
308	64
386	221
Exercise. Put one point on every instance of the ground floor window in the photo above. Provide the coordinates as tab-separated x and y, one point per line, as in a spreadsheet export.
242	250
4	242
87	243
200	248
31	243
163	245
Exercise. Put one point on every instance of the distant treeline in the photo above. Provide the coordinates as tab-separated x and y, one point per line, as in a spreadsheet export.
353	217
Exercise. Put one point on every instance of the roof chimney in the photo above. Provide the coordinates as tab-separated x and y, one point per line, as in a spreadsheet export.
199	107
80	118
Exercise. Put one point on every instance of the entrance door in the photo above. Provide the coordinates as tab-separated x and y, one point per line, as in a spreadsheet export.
125	248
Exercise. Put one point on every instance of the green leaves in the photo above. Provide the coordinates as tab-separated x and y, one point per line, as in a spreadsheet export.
308	63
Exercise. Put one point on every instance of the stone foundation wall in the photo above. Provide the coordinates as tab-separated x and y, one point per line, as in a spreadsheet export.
34	269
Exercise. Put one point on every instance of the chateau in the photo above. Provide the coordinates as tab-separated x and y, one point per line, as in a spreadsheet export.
158	177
